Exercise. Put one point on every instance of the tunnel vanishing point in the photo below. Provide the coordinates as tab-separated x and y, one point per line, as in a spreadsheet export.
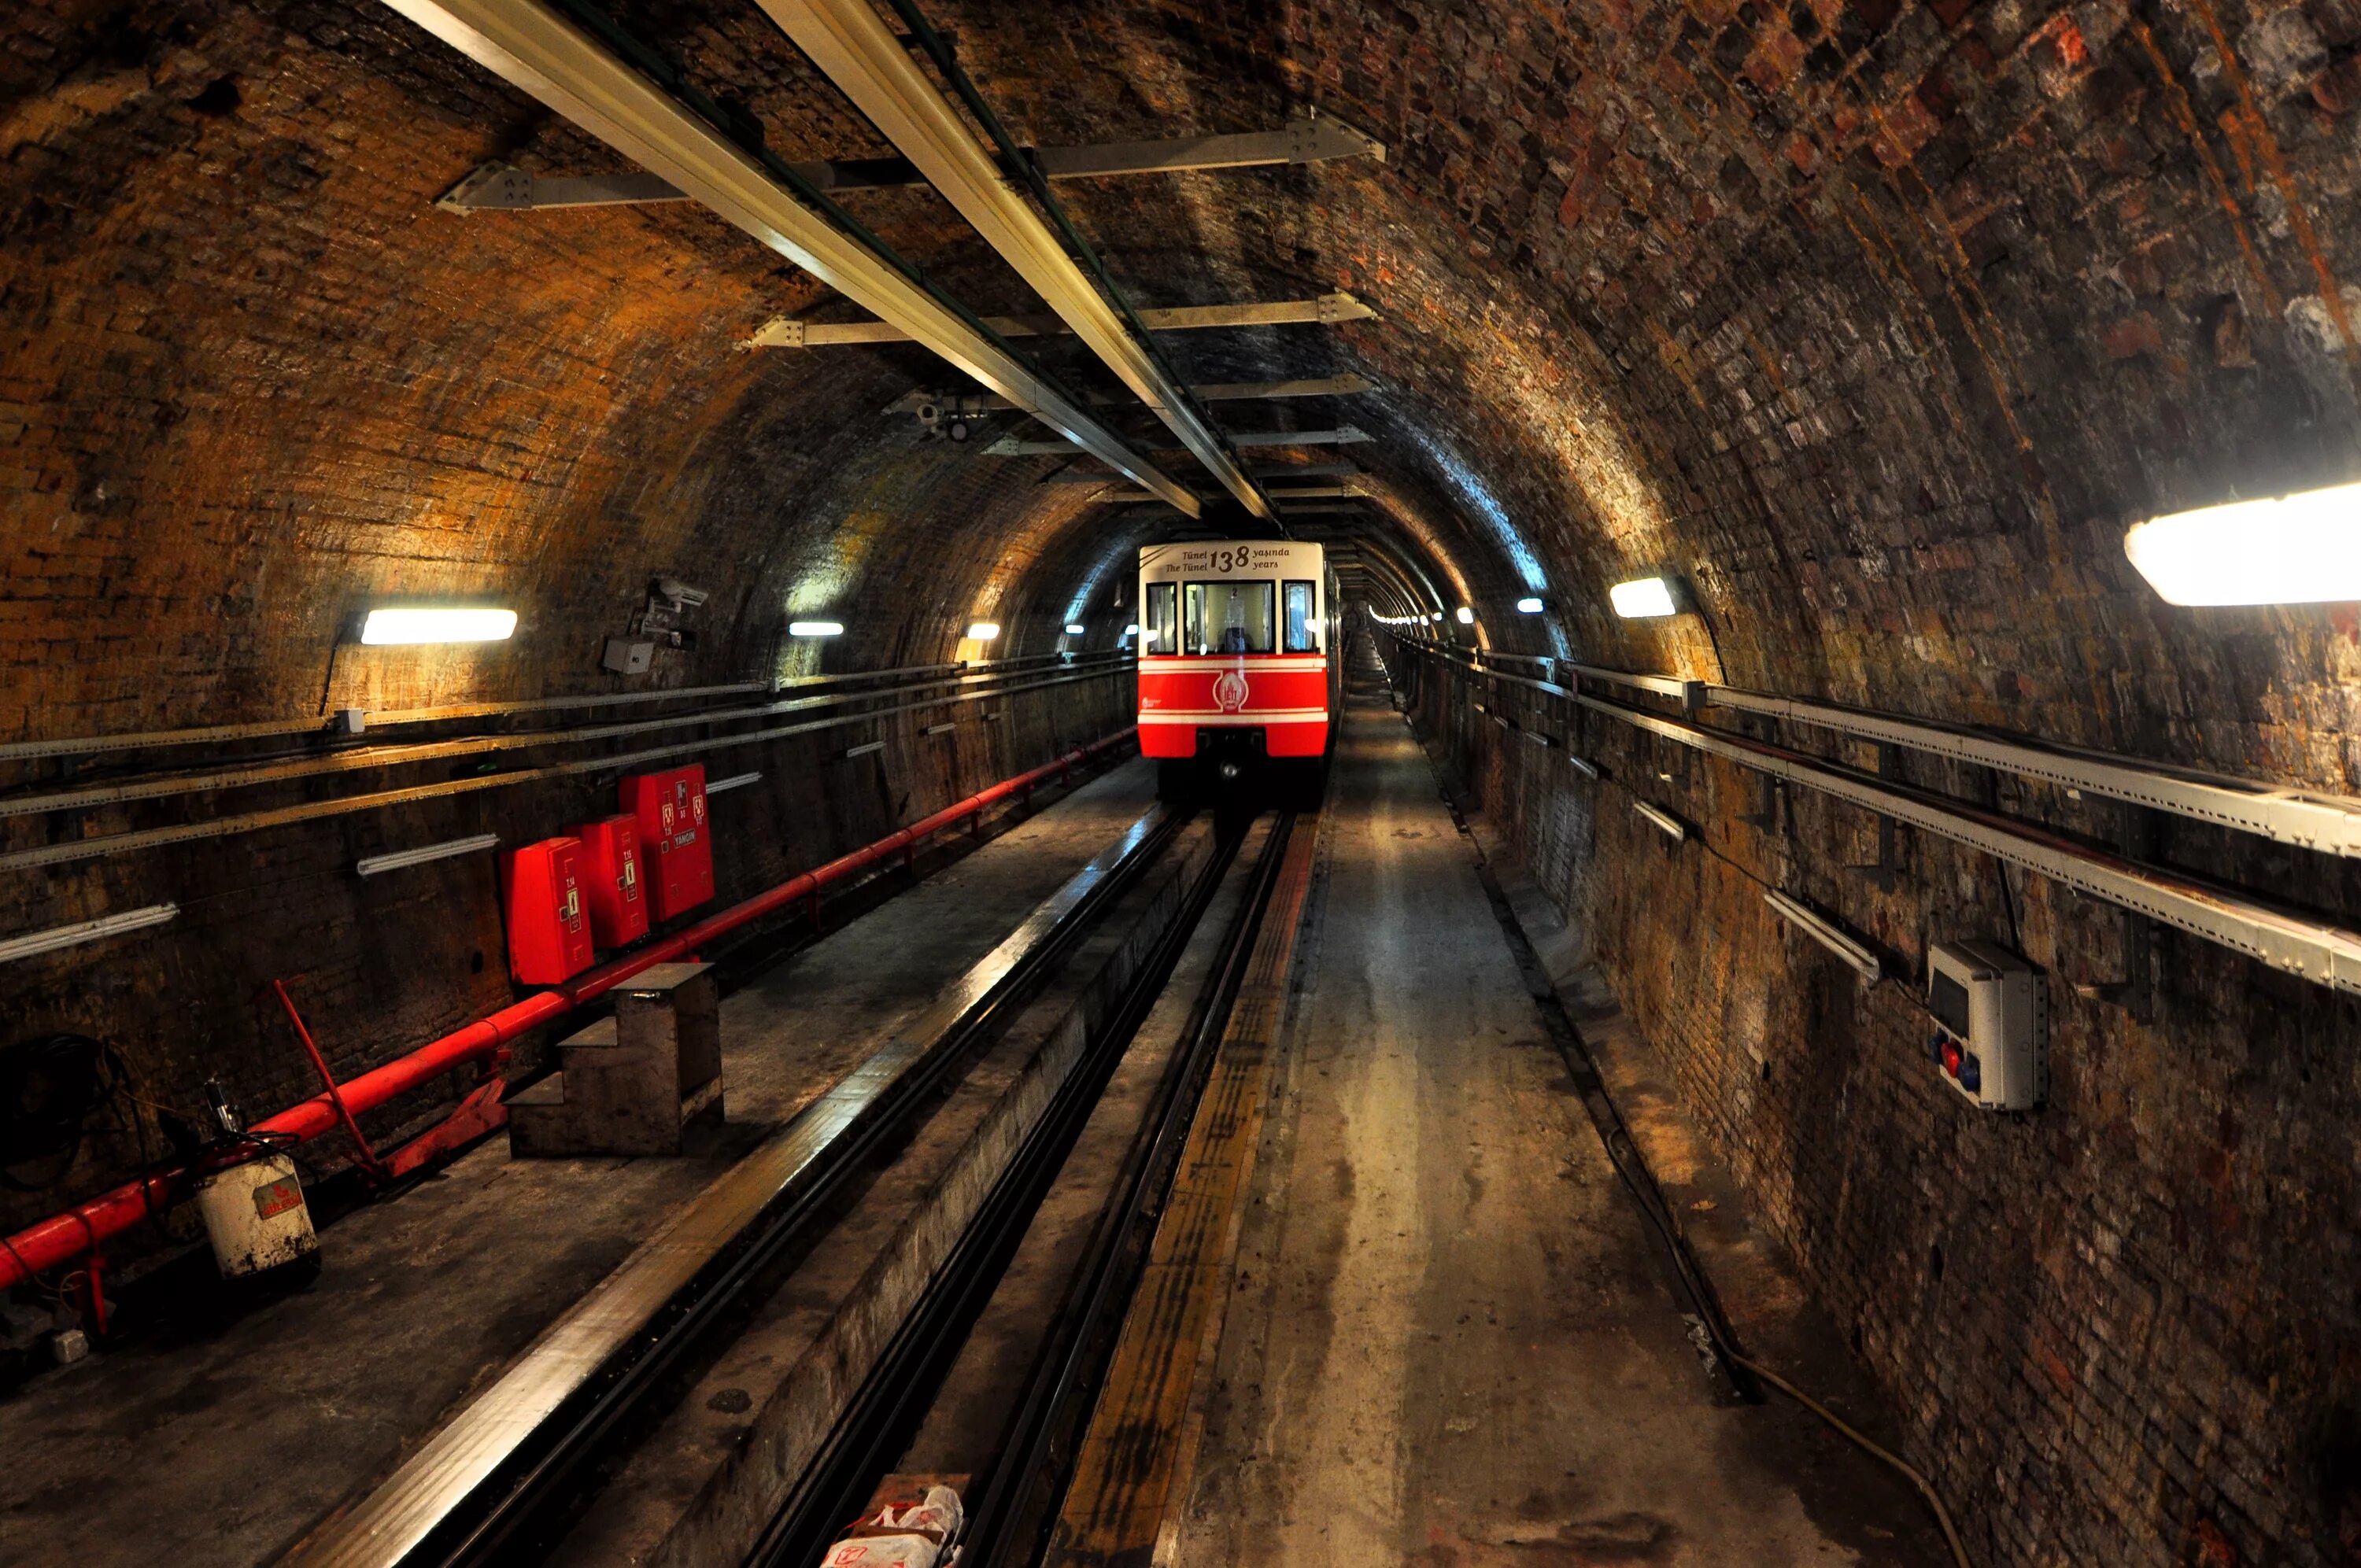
1831	860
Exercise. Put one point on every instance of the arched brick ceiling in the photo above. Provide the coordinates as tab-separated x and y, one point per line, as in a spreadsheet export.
1876	320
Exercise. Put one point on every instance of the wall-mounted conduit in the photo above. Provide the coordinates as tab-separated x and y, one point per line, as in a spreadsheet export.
2327	954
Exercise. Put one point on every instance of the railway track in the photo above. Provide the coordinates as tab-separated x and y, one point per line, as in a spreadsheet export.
509	1474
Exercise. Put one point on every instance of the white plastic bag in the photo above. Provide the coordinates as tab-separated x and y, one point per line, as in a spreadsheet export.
918	1539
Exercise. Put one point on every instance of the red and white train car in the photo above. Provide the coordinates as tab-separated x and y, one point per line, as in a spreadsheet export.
1236	659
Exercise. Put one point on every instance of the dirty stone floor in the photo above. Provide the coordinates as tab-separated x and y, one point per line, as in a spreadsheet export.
1451	1340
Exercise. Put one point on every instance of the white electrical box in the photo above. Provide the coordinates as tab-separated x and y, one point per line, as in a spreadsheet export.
1992	1025
629	655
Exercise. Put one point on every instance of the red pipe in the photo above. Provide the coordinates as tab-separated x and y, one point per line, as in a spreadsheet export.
63	1237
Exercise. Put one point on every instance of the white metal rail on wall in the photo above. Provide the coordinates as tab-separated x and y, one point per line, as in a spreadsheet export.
2327	954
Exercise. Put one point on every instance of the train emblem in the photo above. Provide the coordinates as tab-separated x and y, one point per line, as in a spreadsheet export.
1230	692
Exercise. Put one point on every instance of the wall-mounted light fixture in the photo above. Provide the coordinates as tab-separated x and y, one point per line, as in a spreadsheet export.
1862	961
1466	617
812	629
1672	826
402	625
2299	549
1643	599
1073	628
377	865
1528	606
983	630
83	931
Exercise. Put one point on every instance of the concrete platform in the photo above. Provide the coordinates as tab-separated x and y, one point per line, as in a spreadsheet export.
1450	1340
220	1450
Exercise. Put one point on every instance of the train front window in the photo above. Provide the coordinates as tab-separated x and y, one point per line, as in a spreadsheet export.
1228	617
1303	629
1161	631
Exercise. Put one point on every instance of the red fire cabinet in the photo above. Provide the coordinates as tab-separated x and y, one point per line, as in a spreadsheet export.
674	838
549	929
611	882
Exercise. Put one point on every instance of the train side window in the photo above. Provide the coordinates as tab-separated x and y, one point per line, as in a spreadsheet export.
1303	629
1161	633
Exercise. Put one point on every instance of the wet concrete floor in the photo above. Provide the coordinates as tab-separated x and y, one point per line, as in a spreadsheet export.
1451	1340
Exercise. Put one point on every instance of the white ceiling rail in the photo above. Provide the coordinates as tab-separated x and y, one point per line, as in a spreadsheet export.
786	332
855	49
528	45
948	405
2328	955
501	187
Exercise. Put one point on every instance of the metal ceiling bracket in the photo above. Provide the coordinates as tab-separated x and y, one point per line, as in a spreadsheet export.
782	331
855	47
1346	436
971	404
500	187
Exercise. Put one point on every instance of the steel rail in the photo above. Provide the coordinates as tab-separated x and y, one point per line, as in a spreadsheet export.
855	49
65	1236
876	1424
353	759
482	1480
311	811
1027	1478
2325	954
530	45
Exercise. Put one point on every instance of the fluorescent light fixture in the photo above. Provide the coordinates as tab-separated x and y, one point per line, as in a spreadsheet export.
1073	628
1673	828
812	629
72	936
377	865
1528	606
1466	617
2300	549
864	748
1131	630
1586	768
1641	599
400	625
983	630
735	781
1862	961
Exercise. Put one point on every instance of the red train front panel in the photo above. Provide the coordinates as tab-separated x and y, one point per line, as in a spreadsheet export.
1234	635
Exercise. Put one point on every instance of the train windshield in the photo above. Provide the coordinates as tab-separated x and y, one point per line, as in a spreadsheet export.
1160	632
1229	618
1303	634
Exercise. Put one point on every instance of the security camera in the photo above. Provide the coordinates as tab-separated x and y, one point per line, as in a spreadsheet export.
680	593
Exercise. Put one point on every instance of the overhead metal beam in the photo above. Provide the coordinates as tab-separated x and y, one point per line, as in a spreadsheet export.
501	187
784	332
1259	470
855	49
530	45
953	405
1344	435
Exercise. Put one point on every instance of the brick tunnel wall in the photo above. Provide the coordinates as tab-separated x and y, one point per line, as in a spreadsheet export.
2118	1329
